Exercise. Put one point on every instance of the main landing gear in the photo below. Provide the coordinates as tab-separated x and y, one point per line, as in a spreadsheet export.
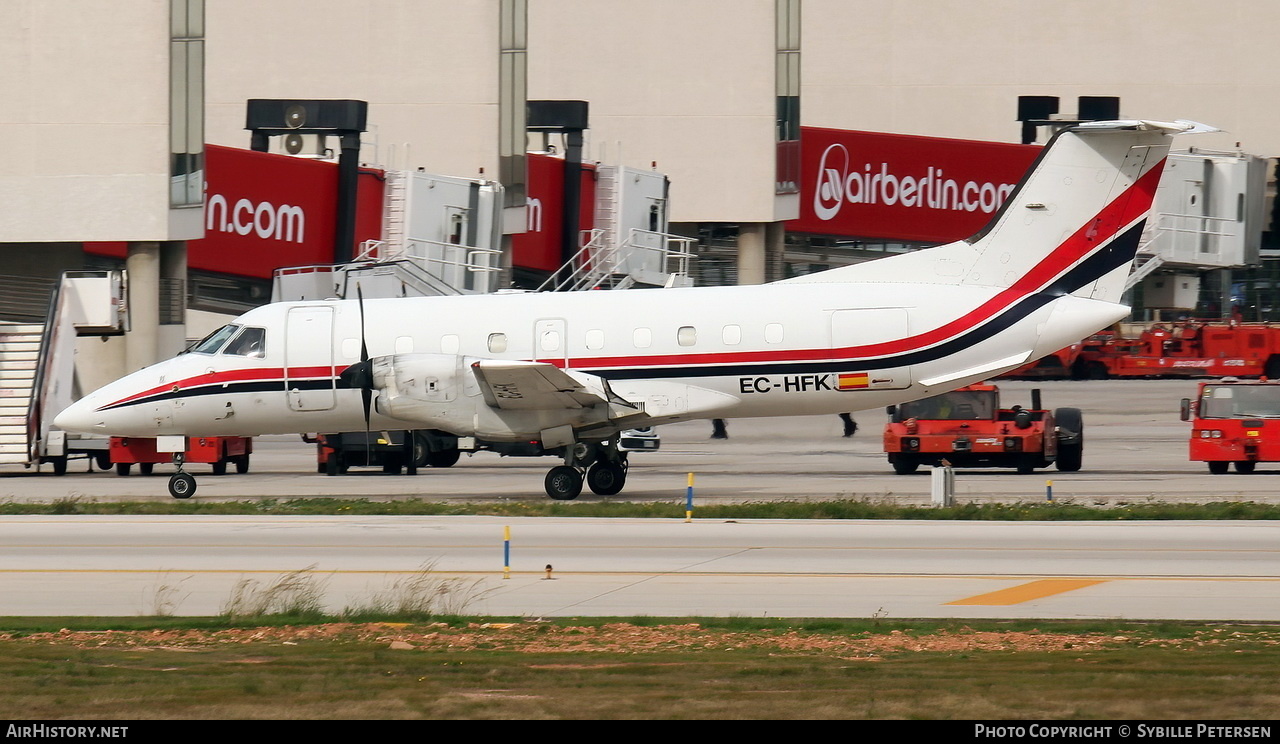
181	483
600	464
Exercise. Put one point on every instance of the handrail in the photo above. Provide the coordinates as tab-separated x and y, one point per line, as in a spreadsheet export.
48	341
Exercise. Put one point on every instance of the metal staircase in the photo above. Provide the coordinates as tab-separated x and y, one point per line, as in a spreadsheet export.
19	354
644	257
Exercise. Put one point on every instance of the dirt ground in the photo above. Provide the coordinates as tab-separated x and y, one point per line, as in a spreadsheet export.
534	637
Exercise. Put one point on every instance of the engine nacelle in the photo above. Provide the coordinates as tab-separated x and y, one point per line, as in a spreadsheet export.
436	391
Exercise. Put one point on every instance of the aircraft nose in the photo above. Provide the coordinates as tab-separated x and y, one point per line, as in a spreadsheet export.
79	417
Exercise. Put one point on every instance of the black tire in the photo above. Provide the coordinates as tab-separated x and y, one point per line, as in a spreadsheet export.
443	458
1028	463
563	483
1272	367
1070	435
1218	467
182	485
1096	371
904	465
606	478
242	464
122	468
220	467
59	465
103	461
333	465
1245	466
146	468
391	465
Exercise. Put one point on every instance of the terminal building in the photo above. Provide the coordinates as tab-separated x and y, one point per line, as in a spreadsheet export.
765	138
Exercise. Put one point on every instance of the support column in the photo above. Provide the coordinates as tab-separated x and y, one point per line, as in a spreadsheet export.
751	242
775	250
172	337
141	343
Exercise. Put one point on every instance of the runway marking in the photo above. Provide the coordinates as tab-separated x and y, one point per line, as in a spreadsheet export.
1027	592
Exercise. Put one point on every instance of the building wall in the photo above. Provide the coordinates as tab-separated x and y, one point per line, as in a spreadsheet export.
84	129
428	68
689	85
955	68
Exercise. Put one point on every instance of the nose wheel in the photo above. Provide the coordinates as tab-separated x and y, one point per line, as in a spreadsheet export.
181	483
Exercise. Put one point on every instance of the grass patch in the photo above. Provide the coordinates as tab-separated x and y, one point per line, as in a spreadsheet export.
704	668
835	509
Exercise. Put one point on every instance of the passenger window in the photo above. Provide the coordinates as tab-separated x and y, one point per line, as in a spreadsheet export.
687	335
449	344
595	339
252	342
214	341
642	338
731	335
773	333
497	342
404	345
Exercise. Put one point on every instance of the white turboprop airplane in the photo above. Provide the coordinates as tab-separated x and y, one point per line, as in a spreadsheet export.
571	370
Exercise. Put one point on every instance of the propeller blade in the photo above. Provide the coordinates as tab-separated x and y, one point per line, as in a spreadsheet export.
365	373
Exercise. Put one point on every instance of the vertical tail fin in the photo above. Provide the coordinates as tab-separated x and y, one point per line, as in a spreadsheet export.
1070	227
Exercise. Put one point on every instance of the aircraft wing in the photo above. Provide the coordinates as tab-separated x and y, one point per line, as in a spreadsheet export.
516	385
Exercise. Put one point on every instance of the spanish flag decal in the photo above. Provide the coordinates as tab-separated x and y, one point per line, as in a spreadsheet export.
853	381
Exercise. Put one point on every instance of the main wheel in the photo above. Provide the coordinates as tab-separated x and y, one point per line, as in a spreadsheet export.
904	465
1070	439
1218	467
443	458
606	478
182	485
1245	466
563	483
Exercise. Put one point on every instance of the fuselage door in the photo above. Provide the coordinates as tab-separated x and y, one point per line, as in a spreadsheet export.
550	342
309	377
862	330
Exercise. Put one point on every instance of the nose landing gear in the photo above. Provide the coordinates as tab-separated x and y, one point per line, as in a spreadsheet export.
181	483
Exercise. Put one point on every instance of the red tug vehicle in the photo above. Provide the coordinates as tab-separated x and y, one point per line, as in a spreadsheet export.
1234	421
968	428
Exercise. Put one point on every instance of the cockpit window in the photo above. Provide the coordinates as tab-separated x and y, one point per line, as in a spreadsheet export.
252	342
214	341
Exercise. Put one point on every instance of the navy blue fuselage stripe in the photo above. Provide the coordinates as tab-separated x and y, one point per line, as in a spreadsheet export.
1113	256
1117	253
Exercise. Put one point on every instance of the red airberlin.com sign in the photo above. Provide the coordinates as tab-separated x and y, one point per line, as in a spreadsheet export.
265	211
903	187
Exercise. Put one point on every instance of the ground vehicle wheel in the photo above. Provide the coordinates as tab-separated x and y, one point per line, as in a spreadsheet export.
563	483
606	478
1027	463
102	460
242	464
905	465
122	468
391	465
182	485
1096	371
1245	466
220	467
59	465
146	468
1070	435
1218	467
333	465
443	458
